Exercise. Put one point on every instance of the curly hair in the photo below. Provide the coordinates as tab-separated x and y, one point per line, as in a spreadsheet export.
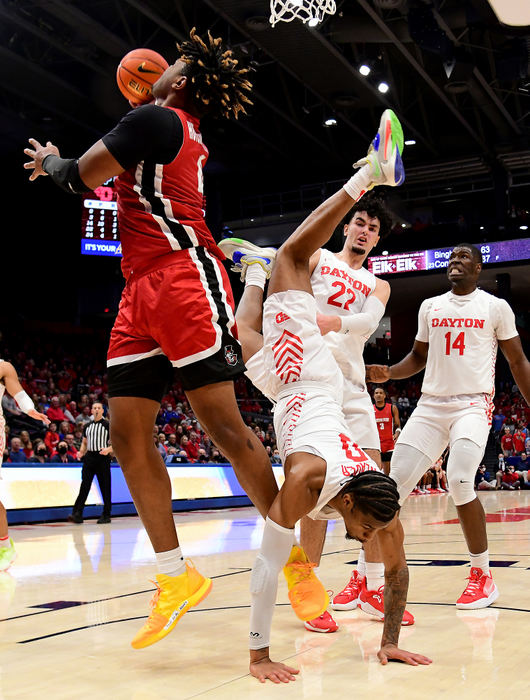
373	206
219	83
374	493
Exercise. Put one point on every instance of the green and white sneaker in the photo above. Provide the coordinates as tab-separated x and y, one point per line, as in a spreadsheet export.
384	154
244	253
7	556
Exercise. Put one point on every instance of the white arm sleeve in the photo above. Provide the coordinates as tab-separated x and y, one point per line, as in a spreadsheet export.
274	553
24	402
366	322
423	325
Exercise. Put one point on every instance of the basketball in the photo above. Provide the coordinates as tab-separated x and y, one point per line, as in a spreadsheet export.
137	73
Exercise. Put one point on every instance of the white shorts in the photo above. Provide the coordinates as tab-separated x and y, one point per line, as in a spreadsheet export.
360	416
438	421
293	350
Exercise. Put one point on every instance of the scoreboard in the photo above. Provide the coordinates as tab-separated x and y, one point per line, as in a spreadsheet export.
99	222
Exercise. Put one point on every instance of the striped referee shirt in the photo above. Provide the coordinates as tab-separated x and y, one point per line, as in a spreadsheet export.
97	435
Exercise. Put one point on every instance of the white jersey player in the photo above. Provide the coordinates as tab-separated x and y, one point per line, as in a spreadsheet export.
326	473
456	343
9	380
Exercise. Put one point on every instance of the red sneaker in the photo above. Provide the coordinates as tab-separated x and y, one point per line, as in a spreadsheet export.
348	598
324	623
480	592
373	603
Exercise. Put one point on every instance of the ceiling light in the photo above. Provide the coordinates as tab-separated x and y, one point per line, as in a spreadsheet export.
330	121
364	69
523	228
383	87
410	142
384	252
482	228
403	225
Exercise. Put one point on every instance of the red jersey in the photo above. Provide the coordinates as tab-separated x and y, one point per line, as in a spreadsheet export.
385	426
518	441
161	206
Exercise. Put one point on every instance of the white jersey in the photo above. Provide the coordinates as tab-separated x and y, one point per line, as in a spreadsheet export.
462	332
341	291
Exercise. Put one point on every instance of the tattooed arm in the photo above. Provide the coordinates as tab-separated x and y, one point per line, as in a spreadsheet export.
396	589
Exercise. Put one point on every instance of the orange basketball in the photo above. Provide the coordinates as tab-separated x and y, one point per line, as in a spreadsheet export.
137	73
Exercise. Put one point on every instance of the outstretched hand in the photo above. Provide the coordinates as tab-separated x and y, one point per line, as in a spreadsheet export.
377	373
39	416
389	652
38	153
273	670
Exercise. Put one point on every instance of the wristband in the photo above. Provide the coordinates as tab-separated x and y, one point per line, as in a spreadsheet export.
358	184
24	402
365	322
65	173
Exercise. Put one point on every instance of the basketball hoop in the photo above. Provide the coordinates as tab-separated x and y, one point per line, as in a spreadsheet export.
311	11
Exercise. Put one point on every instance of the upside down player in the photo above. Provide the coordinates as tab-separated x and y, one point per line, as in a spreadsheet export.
326	473
9	380
456	343
176	312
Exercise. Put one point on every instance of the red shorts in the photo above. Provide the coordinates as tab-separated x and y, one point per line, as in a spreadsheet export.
176	316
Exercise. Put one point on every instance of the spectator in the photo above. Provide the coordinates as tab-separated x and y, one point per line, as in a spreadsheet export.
61	455
519	438
510	480
159	446
26	444
10	406
71	412
64	429
521	464
497	421
202	456
78	437
55	413
84	417
483	480
189	448
17	453
51	438
40	455
276	459
507	441
72	451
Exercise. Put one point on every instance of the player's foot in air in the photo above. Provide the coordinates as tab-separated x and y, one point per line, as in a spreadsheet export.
348	598
373	603
480	592
244	253
174	596
7	555
309	598
384	154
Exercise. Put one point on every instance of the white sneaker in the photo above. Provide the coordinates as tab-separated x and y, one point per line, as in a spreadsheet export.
244	253
384	154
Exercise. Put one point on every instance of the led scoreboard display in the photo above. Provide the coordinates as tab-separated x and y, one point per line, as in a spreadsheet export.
438	258
99	222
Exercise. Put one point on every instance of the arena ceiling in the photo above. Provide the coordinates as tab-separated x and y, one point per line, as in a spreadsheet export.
458	78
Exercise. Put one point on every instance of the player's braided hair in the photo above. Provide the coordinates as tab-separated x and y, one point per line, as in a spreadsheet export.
219	83
374	493
373	206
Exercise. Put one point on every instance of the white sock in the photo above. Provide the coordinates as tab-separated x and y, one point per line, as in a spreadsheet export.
481	561
255	276
4	541
375	575
359	183
170	563
317	571
361	564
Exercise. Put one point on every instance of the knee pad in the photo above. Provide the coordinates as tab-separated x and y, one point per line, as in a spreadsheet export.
407	466
462	465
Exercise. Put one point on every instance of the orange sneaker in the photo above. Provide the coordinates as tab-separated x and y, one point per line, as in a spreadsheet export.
174	596
308	596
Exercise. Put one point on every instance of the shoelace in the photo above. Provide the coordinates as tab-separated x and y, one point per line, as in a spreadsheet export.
474	582
155	596
304	570
352	584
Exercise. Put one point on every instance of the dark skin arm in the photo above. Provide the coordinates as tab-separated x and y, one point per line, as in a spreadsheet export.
519	364
411	364
396	421
396	589
96	166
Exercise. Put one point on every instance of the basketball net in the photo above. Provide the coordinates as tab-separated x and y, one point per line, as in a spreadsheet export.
311	11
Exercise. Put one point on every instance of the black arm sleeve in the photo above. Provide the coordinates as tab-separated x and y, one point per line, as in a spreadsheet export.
145	133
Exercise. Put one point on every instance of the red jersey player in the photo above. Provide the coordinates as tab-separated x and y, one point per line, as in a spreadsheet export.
176	313
388	426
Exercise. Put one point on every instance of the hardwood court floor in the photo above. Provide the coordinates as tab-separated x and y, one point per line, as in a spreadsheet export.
77	594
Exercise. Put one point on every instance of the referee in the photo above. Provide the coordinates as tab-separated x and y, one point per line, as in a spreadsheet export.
96	451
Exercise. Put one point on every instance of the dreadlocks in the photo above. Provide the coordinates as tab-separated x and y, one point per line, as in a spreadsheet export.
374	207
218	81
374	493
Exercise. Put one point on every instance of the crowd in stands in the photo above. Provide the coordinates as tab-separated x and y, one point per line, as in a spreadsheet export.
64	384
